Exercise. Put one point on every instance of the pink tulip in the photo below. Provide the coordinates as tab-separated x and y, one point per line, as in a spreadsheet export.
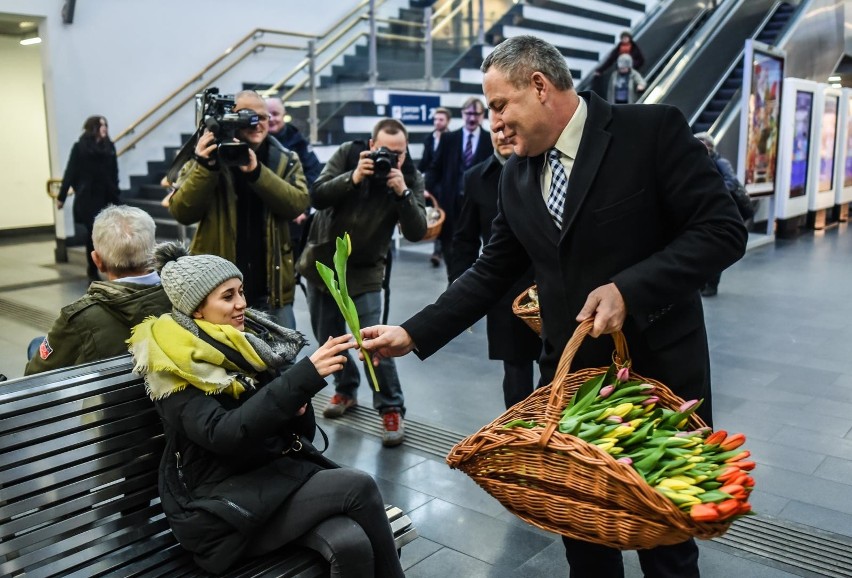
651	400
606	391
687	405
623	374
625	460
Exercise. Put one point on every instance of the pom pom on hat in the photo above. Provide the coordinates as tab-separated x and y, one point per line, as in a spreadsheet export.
189	279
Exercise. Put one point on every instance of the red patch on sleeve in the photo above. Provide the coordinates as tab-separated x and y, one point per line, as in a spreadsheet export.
44	350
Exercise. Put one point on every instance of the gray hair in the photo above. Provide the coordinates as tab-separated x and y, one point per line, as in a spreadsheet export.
707	139
519	57
123	236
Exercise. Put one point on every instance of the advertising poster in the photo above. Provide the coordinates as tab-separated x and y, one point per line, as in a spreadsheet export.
764	106
827	144
801	143
847	172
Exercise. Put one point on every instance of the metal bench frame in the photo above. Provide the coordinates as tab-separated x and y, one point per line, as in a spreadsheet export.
79	454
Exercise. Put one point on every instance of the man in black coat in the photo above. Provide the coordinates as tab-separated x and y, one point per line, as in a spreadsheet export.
645	221
441	123
459	150
509	339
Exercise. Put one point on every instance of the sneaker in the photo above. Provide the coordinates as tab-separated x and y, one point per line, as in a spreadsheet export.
709	291
394	430
338	404
435	259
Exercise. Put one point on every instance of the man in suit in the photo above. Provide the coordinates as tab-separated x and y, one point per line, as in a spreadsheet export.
643	222
441	123
460	150
509	339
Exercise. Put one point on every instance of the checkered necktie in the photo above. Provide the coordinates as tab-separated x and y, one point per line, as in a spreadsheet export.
558	187
468	151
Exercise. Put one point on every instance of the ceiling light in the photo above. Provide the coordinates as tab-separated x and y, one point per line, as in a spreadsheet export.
834	78
836	85
31	40
26	24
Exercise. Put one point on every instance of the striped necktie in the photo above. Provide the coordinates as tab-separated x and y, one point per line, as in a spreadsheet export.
558	187
468	151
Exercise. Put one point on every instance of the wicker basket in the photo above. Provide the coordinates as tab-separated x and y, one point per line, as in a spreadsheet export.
433	230
528	314
562	484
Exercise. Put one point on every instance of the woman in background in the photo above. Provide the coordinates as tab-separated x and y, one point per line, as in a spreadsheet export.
92	172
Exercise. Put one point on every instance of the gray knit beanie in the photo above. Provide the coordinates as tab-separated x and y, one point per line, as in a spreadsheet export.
189	279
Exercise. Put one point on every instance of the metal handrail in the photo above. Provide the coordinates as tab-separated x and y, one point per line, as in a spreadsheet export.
253	35
299	85
462	5
662	83
734	63
689	29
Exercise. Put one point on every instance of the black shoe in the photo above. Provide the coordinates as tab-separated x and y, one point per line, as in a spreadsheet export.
435	259
709	291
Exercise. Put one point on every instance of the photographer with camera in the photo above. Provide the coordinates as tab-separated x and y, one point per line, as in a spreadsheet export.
364	190
243	188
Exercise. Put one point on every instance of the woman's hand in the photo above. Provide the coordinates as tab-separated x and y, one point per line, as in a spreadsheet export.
328	359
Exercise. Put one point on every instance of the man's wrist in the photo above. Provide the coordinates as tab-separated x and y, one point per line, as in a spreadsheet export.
403	195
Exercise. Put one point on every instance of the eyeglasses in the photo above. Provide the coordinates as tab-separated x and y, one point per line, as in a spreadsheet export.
472	113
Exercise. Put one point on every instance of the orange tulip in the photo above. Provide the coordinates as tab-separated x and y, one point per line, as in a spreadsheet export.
728	508
704	512
716	437
733	442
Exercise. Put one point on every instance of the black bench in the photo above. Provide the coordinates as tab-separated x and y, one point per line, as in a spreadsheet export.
79	452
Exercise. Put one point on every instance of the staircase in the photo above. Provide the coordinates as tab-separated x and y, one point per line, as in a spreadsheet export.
733	82
348	109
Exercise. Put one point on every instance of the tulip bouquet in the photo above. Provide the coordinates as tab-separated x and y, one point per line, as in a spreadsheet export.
704	473
340	293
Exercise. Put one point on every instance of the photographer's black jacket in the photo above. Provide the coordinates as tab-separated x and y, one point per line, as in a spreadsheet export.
368	213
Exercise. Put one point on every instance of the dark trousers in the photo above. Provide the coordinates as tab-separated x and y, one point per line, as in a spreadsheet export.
340	514
517	381
589	560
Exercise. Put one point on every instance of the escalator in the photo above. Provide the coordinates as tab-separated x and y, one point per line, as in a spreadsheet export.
703	78
768	33
660	35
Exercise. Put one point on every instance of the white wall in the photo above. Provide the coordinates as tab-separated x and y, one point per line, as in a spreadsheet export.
24	163
119	58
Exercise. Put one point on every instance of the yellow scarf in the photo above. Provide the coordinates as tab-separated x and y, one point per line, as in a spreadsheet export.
170	357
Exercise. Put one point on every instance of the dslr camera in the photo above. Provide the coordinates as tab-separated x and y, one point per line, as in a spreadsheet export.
384	160
215	112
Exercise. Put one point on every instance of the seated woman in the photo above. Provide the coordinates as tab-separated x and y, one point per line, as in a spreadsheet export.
239	476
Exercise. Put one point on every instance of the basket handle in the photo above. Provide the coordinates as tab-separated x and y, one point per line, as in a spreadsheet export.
553	413
427	196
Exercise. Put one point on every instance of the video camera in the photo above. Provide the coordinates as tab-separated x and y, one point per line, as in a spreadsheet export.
215	112
384	160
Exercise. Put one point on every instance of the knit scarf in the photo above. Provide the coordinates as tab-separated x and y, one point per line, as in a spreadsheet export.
171	358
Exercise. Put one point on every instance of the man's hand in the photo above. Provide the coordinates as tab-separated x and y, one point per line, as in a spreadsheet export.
364	170
301	219
252	161
206	145
608	307
384	341
396	182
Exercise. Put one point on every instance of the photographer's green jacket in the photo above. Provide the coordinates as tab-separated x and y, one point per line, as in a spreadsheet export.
367	214
208	197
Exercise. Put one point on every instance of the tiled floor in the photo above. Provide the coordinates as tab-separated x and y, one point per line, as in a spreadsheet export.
781	349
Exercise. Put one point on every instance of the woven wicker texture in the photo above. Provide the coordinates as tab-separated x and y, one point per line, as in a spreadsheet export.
562	484
433	230
528	314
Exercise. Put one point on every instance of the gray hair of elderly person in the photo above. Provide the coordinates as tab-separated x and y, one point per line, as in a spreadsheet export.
521	56
708	140
124	239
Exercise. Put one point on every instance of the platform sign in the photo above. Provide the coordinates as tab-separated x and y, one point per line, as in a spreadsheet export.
763	75
413	109
824	151
843	186
796	139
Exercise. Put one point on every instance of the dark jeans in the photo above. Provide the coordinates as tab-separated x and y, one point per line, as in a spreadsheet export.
517	381
327	321
589	560
340	514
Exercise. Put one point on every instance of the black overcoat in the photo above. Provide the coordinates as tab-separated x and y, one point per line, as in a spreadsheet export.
647	210
509	338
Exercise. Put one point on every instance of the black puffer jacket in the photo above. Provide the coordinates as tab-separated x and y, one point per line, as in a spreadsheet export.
229	463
